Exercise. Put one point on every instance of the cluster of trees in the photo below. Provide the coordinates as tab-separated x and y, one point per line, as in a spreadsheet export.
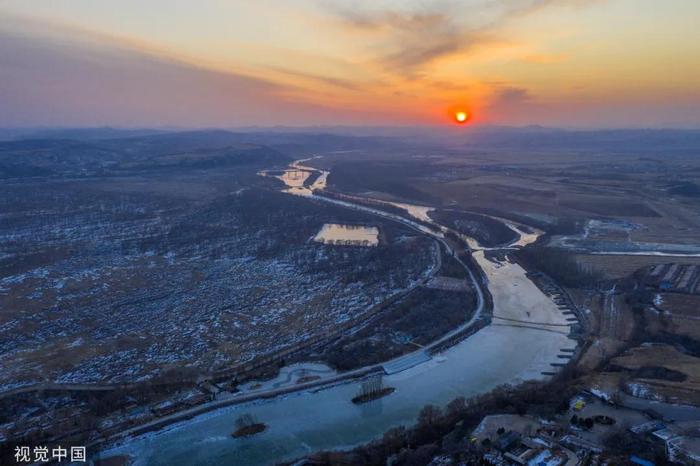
388	177
655	327
447	431
92	406
686	188
424	315
582	422
487	231
624	443
450	266
560	265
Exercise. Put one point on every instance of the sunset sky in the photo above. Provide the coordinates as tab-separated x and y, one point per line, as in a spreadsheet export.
229	63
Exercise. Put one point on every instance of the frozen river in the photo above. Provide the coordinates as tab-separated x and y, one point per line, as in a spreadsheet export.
526	338
327	419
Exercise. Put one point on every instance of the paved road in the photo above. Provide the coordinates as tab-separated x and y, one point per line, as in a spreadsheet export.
74	387
611	314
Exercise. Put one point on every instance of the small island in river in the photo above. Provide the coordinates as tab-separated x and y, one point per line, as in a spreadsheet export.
372	389
247	425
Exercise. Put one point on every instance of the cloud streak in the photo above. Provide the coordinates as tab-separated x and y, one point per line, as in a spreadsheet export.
411	37
365	62
67	77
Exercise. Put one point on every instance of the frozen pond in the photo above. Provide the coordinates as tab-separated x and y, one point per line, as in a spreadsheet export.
418	211
289	376
348	235
294	178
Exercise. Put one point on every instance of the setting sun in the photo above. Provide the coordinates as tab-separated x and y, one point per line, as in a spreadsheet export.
461	117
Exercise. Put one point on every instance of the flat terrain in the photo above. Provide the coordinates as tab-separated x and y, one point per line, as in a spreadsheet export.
632	195
168	263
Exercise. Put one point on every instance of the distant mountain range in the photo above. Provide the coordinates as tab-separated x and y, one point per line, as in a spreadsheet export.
94	151
50	157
